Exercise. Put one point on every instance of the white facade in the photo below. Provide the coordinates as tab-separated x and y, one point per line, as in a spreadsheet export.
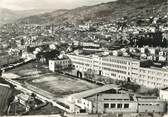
121	68
110	66
164	94
151	105
81	103
59	64
152	77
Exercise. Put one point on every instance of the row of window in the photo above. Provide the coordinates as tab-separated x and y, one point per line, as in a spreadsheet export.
153	78
133	68
115	70
154	73
148	104
80	63
62	62
116	66
150	83
115	61
117	99
108	106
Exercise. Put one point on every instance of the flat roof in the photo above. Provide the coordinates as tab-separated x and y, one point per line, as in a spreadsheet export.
146	99
105	56
156	68
59	59
91	92
124	58
116	96
80	55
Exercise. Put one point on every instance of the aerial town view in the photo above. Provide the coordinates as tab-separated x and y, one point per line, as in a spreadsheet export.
84	58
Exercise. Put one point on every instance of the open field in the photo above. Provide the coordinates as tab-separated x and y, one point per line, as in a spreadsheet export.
61	85
29	70
54	83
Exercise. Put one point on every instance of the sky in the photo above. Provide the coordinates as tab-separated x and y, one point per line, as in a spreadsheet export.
47	4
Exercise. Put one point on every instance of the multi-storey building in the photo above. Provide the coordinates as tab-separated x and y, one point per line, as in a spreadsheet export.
121	68
153	77
114	67
59	64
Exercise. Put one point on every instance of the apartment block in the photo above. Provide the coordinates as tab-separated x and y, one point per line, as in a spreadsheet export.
121	68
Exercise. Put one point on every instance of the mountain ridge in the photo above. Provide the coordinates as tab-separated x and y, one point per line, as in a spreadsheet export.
110	11
9	16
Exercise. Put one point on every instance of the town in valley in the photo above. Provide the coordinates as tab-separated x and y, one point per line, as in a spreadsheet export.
104	60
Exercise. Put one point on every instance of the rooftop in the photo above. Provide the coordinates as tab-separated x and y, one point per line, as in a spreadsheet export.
116	96
146	99
63	58
91	92
124	58
105	56
157	69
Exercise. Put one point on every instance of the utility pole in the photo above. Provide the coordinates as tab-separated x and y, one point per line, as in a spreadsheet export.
97	104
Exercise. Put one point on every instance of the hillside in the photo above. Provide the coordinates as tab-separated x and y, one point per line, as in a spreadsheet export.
42	18
106	11
8	16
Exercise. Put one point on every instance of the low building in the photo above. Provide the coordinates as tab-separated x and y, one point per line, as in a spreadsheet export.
111	99
151	105
80	101
113	103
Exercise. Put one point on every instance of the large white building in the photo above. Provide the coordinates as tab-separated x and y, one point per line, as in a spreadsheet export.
121	68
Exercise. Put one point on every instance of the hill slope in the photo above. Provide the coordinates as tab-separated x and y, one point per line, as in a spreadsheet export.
106	11
7	15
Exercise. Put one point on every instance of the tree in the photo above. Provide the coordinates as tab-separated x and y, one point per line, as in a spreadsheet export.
147	52
89	74
164	43
130	85
22	41
154	92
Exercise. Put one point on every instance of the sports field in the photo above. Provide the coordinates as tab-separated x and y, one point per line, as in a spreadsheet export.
61	85
54	83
